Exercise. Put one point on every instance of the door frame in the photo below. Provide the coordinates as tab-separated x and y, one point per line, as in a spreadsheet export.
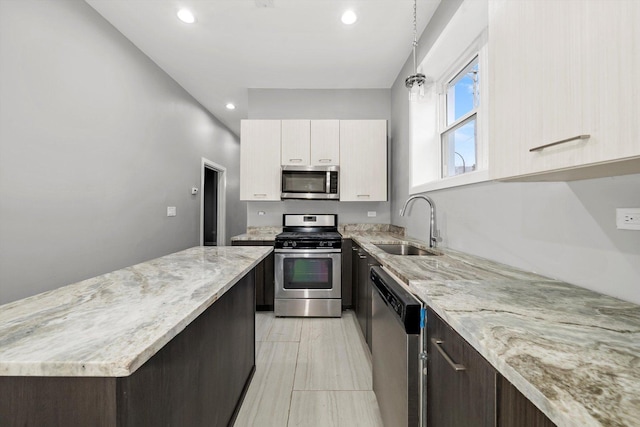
222	200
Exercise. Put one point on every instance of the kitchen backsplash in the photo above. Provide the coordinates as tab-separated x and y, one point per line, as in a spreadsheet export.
260	214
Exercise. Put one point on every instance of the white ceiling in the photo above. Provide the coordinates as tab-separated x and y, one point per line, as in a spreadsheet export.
236	45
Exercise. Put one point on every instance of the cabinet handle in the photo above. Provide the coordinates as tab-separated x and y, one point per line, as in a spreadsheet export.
455	366
260	194
364	195
560	142
324	160
362	256
295	160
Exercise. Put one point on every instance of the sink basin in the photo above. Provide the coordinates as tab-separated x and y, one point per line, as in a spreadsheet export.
407	249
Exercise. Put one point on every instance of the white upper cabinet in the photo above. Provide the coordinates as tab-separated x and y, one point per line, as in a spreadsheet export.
260	160
325	142
564	94
363	160
311	142
296	142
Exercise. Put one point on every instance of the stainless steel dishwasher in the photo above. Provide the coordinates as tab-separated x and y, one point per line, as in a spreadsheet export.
395	352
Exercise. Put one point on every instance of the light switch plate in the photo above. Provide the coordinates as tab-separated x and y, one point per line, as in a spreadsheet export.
628	218
171	211
372	214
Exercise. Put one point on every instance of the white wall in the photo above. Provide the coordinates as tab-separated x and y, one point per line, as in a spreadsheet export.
95	142
319	104
564	230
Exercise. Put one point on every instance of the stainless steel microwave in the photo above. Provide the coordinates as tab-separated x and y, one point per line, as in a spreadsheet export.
311	182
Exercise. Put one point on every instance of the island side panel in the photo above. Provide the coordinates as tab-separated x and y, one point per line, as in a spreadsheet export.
198	378
57	401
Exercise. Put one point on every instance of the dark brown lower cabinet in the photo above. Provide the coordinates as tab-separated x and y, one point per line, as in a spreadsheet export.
515	410
264	275
362	290
347	274
463	389
461	385
197	379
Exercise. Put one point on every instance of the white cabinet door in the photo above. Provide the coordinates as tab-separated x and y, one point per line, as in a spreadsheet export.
260	160
325	142
363	160
561	70
296	136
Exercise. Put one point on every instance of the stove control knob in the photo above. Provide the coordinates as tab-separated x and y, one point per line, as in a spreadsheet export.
321	244
285	244
293	244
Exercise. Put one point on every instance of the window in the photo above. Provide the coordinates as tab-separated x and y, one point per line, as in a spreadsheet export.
459	137
448	130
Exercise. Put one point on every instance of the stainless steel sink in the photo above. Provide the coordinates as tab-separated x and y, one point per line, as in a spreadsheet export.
407	249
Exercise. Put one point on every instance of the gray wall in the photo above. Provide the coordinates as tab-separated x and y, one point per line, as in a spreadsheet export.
319	104
95	142
564	230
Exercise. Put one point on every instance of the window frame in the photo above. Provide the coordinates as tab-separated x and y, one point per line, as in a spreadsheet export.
444	110
425	148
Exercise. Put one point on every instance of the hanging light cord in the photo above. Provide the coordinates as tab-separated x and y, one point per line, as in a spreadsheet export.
416	78
415	35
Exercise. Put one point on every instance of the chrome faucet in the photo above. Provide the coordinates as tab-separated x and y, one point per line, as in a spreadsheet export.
434	233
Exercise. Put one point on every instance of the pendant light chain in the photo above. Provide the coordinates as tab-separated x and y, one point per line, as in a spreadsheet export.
416	79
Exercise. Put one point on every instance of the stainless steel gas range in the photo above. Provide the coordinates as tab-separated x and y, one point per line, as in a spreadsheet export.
308	265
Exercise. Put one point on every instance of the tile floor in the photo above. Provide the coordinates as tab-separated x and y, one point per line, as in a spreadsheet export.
310	372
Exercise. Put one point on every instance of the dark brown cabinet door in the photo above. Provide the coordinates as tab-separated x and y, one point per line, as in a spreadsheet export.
515	410
264	275
354	278
461	385
362	263
363	289
347	285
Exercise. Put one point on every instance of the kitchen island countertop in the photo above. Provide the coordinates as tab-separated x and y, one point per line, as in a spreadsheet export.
573	352
108	326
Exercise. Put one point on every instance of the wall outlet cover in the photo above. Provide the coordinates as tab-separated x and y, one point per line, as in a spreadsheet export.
628	218
171	211
371	214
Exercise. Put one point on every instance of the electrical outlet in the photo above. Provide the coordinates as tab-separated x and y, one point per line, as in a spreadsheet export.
261	213
171	211
628	218
372	214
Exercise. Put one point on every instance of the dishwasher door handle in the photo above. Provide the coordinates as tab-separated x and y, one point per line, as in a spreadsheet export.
456	366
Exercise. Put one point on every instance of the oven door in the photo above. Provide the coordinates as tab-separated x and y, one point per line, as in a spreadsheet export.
307	274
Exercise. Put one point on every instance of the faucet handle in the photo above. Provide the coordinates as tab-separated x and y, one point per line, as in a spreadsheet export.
435	239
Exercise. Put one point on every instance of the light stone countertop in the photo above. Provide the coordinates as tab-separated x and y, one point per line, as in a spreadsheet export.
573	352
110	325
258	233
265	233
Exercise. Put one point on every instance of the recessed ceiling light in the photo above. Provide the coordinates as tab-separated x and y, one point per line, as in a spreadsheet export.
186	16
230	106
349	17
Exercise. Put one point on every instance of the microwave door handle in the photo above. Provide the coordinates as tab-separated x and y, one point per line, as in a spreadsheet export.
328	183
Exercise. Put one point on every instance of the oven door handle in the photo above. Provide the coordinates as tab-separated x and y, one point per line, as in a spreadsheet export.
307	251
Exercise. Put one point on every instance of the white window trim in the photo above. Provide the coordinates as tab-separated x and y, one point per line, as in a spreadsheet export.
425	138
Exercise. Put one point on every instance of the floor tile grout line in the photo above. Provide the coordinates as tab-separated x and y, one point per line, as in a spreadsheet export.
295	371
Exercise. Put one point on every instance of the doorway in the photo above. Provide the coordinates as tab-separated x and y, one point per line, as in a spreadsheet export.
212	202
